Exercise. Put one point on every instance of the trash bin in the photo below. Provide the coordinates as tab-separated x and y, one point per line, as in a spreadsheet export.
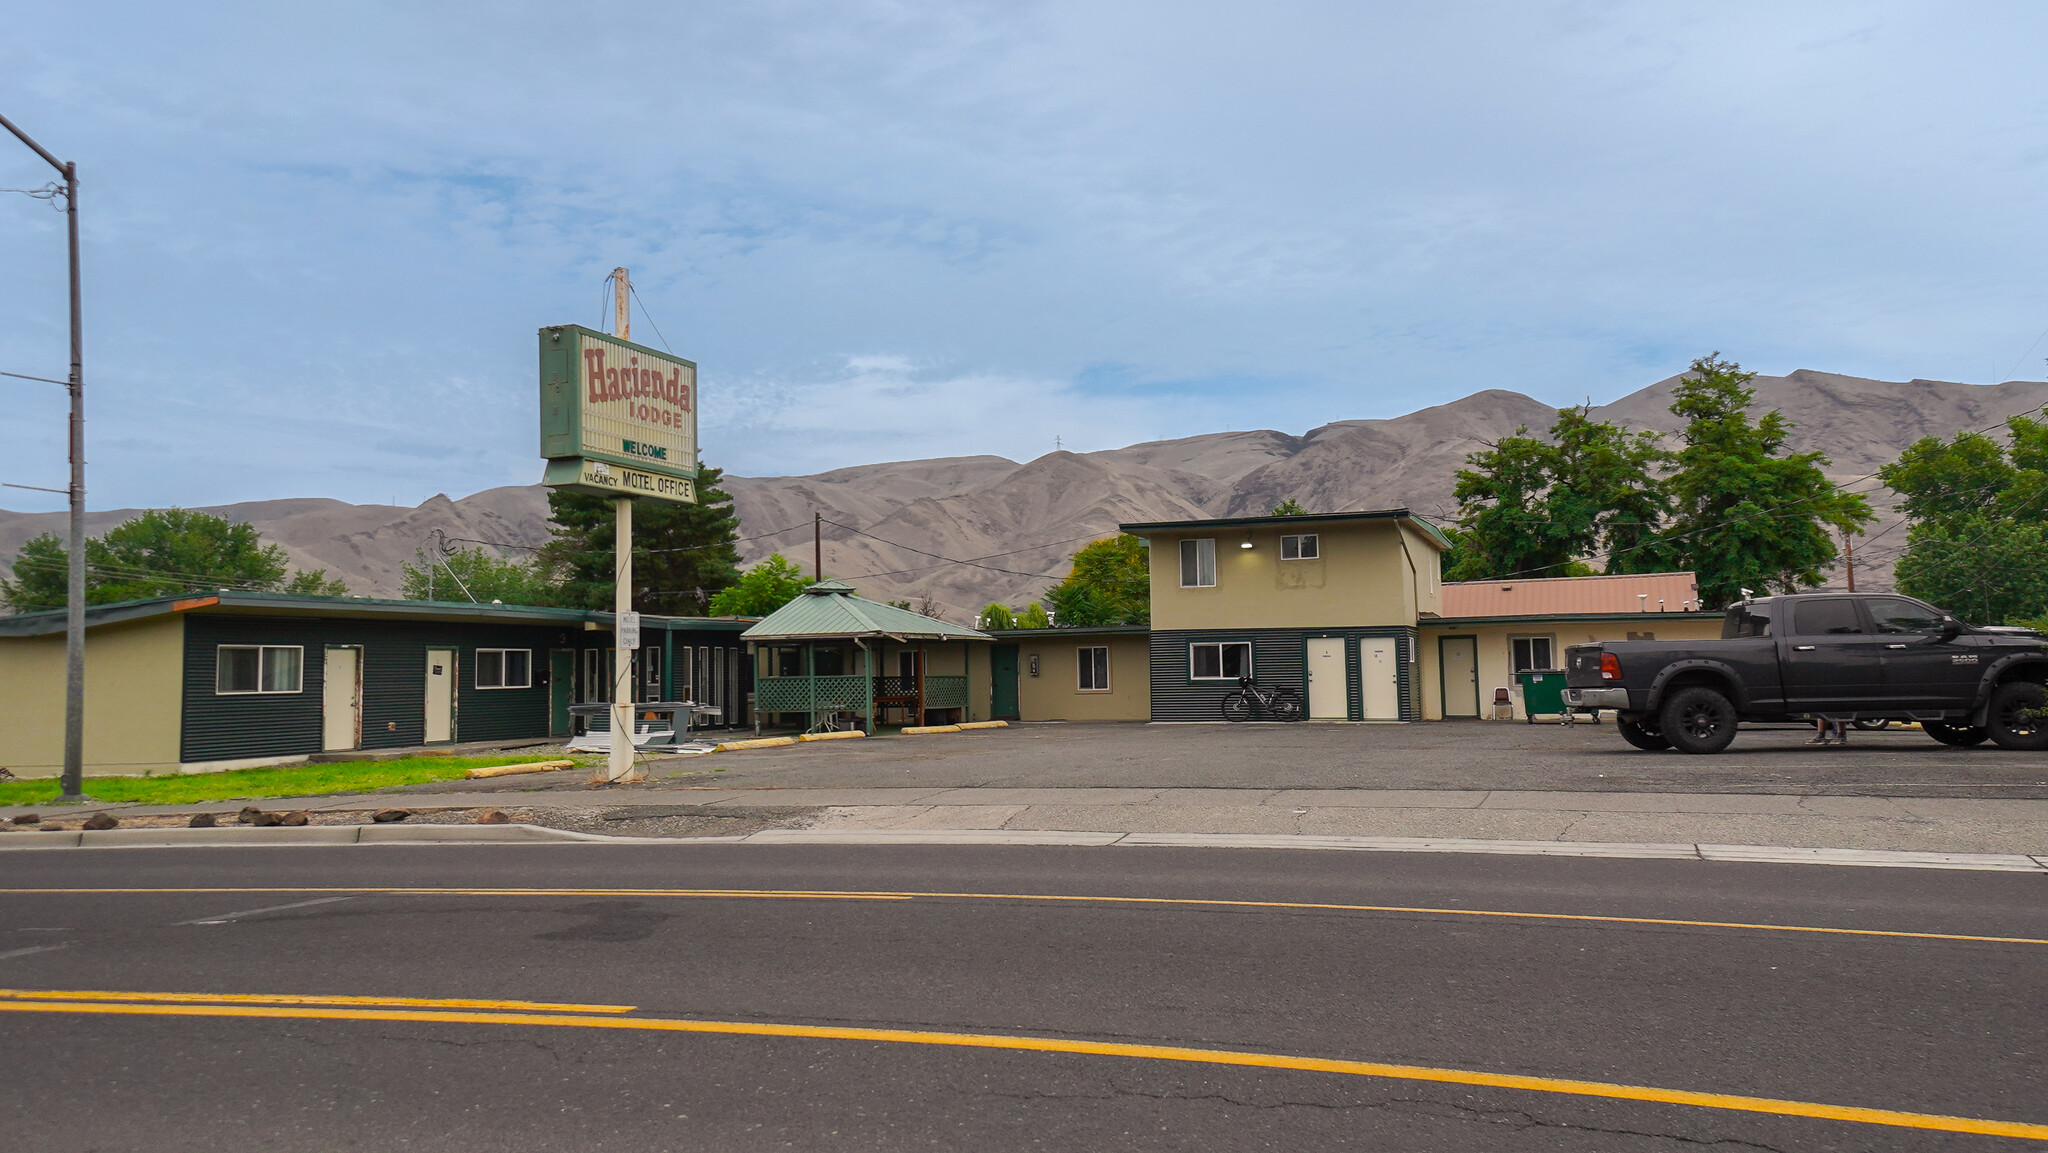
1542	692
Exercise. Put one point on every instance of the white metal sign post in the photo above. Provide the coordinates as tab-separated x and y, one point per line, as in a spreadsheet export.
618	420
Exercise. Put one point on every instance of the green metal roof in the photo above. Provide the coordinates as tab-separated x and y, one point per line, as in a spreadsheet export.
828	610
295	605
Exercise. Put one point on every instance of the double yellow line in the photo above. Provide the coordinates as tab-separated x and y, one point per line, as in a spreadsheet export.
556	1015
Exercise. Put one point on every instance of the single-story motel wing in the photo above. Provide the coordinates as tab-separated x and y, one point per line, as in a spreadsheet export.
232	680
1349	609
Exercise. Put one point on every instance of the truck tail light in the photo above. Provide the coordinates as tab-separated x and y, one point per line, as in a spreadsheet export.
1610	667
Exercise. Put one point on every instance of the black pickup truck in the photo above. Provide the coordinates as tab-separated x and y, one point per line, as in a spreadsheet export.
1838	656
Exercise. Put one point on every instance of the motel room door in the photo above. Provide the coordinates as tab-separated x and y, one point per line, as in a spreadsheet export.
1379	663
440	695
1002	667
1460	664
341	698
561	690
1329	683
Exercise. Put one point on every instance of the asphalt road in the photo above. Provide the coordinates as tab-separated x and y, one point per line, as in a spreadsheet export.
1892	1016
1453	755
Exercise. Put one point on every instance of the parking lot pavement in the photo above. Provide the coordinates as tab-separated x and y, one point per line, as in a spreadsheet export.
1467	756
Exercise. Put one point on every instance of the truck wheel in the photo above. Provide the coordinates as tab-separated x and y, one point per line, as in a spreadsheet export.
1958	736
1634	733
2018	717
1697	720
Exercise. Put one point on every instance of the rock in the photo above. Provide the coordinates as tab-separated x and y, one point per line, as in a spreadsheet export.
295	818
28	819
262	820
493	817
250	815
99	821
200	821
386	816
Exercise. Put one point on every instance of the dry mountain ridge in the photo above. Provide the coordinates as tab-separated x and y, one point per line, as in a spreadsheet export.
1022	521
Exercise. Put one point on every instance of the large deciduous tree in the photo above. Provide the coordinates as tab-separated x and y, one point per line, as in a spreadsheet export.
472	573
1978	523
160	553
1531	507
1745	513
769	585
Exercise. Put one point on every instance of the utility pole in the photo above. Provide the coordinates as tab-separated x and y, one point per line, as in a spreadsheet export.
625	623
817	546
1849	551
72	786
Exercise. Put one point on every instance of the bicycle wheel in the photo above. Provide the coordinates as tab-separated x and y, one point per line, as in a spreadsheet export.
1237	707
1287	705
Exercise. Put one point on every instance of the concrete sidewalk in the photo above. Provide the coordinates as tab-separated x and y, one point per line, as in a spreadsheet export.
1914	824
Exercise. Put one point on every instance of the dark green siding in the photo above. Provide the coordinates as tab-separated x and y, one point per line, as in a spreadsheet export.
394	684
1279	660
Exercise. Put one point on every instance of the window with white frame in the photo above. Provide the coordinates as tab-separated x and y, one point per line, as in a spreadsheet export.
1219	660
504	668
1198	563
258	668
1531	653
1302	547
1094	668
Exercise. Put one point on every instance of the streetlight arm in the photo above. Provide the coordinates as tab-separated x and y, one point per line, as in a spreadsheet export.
41	151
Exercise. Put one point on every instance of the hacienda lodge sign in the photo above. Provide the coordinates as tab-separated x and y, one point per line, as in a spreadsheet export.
616	418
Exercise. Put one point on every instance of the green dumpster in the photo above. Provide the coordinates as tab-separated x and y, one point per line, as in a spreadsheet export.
1542	692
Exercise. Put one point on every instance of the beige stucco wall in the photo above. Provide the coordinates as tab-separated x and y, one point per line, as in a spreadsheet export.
1496	657
133	700
1363	577
1055	693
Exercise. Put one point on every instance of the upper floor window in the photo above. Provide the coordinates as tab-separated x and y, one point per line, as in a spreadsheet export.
1198	563
504	668
257	668
1302	547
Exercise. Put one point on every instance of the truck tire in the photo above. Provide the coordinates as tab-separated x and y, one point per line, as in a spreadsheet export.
1645	739
1955	736
1697	720
2018	717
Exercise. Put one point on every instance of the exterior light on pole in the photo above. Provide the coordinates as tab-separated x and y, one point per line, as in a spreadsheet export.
72	786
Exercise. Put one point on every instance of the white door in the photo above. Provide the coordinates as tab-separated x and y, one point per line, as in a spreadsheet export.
1379	663
440	695
1329	690
341	700
1461	676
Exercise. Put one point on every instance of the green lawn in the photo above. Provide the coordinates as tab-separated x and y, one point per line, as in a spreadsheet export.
288	781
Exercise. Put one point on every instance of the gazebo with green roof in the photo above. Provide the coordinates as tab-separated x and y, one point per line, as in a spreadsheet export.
811	671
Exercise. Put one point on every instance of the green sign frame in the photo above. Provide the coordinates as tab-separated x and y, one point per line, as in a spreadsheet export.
627	407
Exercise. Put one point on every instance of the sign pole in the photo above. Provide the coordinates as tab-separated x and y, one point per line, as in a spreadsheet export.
625	625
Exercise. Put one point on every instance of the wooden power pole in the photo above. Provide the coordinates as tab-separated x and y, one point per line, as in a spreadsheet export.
625	622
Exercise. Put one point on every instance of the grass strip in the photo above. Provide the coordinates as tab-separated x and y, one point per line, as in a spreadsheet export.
283	781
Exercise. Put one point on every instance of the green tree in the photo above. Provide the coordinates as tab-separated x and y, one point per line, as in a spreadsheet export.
1978	523
1110	584
159	553
683	554
761	590
483	576
1034	617
1744	512
1288	507
1532	507
997	616
316	583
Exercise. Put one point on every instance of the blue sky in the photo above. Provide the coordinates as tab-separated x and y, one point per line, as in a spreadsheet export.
320	237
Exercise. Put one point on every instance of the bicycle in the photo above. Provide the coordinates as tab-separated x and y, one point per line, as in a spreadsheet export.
1250	700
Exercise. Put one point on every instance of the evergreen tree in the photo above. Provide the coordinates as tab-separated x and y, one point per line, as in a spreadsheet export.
683	554
1745	514
1110	584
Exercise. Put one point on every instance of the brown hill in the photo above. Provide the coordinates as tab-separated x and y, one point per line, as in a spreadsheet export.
897	528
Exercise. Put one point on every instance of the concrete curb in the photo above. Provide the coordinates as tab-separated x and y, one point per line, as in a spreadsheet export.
836	735
400	834
921	730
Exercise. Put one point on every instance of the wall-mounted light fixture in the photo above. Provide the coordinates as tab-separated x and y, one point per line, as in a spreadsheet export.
1247	540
